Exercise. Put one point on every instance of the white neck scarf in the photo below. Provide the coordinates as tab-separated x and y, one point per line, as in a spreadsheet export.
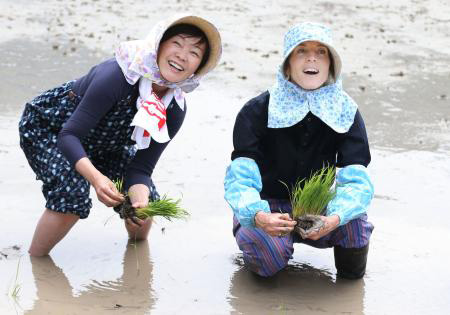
150	119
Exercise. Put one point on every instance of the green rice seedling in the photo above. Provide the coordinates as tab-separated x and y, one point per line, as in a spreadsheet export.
311	196
15	289
165	207
119	184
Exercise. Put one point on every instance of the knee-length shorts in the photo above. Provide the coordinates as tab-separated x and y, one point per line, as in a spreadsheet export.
266	255
108	146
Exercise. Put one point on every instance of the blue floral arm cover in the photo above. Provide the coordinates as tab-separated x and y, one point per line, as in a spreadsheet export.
354	191
242	186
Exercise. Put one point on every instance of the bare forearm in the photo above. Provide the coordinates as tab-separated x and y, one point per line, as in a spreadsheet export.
104	187
88	170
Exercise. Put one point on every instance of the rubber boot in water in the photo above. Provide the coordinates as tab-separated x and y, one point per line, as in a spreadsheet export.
350	262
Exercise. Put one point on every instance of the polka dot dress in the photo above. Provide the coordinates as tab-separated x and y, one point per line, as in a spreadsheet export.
108	146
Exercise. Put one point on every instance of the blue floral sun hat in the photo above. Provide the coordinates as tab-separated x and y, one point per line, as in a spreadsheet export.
308	31
289	103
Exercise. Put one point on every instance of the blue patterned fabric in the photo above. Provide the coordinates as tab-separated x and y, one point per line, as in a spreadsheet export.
242	187
108	146
289	103
308	31
354	192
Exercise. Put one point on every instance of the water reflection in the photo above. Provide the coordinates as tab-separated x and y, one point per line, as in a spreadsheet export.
130	294
299	289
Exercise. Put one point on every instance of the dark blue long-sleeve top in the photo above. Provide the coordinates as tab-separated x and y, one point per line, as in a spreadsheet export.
285	155
100	91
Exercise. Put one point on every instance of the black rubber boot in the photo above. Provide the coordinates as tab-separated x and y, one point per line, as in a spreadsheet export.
350	262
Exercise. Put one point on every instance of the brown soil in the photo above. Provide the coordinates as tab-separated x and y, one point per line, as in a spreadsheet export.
304	223
125	209
308	223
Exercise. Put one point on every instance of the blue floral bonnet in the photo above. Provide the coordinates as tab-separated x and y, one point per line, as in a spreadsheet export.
289	103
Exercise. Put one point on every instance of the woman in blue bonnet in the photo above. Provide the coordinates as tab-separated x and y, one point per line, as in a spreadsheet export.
305	122
114	123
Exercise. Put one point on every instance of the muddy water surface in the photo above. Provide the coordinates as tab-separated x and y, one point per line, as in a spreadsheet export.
194	267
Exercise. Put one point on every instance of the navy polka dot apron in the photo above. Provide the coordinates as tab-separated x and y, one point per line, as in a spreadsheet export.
108	146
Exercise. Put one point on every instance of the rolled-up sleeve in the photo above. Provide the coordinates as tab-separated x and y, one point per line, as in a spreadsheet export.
242	187
354	192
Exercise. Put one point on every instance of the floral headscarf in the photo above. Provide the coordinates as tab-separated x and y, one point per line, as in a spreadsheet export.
289	103
138	61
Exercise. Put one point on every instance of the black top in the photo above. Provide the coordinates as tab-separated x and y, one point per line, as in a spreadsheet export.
100	90
293	153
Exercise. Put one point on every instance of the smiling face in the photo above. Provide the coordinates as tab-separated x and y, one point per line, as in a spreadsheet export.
308	65
180	56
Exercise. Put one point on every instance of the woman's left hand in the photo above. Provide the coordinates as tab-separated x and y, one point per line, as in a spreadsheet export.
329	224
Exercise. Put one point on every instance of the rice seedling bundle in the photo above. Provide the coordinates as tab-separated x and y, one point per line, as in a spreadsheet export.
310	197
165	207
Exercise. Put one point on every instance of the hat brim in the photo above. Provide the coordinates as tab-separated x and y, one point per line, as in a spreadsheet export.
213	36
337	63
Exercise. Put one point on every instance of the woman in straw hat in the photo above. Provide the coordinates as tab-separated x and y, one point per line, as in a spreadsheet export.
114	123
286	134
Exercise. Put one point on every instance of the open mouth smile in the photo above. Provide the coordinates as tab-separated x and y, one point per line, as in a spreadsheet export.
311	71
175	65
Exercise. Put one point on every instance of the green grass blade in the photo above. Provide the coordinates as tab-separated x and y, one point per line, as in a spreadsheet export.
165	207
311	196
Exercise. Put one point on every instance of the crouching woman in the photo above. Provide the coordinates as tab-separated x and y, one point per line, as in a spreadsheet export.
305	122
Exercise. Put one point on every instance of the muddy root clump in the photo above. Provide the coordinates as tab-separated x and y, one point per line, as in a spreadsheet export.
308	223
126	210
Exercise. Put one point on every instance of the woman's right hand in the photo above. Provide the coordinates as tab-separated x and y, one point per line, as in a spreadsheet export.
107	192
274	224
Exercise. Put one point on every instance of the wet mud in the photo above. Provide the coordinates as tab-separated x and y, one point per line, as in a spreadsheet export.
396	68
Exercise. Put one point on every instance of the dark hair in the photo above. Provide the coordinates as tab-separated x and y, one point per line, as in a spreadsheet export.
332	66
189	30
